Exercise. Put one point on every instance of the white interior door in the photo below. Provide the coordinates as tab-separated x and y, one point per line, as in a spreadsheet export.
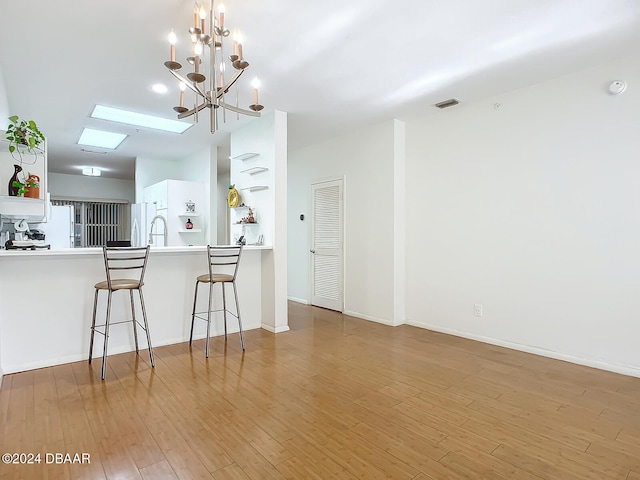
326	245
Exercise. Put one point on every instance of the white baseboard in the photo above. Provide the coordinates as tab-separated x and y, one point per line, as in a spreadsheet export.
629	370
363	316
298	300
112	351
271	329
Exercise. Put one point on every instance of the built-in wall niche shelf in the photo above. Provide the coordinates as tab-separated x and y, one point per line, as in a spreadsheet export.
189	214
254	170
247	223
241	207
191	230
255	188
245	156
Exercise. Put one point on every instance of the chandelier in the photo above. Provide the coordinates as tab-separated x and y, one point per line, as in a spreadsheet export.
208	80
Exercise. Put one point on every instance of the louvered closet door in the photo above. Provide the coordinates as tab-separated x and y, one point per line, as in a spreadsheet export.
326	245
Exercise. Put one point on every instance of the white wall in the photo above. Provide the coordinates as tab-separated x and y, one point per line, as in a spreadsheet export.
4	102
267	137
90	188
365	159
150	171
202	167
222	195
533	211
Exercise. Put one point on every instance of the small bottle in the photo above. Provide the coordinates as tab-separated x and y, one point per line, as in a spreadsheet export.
188	225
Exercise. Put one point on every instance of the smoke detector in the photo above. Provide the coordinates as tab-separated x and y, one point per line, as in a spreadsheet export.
617	86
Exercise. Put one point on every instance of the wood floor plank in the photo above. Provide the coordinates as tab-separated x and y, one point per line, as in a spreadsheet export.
335	397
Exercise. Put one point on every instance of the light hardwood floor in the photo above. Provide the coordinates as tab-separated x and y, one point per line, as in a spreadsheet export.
334	398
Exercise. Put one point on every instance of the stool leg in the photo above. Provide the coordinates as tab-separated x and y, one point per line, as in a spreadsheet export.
206	348
193	313
235	293
146	328
135	324
93	324
106	336
224	310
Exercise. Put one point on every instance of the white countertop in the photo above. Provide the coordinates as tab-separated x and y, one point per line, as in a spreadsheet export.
98	251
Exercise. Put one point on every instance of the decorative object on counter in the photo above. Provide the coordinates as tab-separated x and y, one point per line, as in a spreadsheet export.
23	136
190	207
29	188
234	197
188	225
250	218
32	186
207	35
14	183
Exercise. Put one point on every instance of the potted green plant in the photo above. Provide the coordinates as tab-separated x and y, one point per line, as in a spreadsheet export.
23	135
24	187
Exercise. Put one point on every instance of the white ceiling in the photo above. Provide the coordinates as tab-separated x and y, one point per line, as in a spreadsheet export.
332	65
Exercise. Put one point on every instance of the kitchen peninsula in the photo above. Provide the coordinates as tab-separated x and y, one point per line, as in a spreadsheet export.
46	302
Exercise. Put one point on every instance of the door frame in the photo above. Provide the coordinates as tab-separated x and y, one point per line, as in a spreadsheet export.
343	179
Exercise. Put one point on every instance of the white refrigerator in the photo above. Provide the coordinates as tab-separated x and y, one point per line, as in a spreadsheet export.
141	216
59	228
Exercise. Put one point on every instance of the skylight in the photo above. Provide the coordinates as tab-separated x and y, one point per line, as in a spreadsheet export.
99	138
139	119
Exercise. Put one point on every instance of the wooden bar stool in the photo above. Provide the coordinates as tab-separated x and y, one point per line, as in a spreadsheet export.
117	259
223	264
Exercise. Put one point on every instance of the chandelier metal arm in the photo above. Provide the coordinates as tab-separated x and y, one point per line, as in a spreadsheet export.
188	113
225	88
189	84
237	109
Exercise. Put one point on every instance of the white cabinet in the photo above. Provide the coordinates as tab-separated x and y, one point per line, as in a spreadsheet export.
173	200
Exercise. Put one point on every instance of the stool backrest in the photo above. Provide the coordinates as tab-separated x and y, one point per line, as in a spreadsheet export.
224	259
125	259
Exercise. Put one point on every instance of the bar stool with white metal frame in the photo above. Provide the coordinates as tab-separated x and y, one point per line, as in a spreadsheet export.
115	259
223	262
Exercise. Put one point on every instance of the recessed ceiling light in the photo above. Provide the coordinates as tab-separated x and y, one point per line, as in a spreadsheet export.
139	119
99	138
91	171
159	88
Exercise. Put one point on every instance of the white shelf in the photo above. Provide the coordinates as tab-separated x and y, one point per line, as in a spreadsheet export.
189	214
191	230
254	170
22	207
243	207
255	188
250	224
245	156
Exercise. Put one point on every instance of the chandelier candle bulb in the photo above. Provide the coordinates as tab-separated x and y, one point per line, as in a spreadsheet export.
196	12
239	46
182	89
203	17
255	83
221	14
172	42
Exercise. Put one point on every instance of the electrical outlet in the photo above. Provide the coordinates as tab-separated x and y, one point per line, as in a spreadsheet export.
477	310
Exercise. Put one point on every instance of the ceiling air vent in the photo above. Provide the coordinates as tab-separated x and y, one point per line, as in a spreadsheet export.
448	103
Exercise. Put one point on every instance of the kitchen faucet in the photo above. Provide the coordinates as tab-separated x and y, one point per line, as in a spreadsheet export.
164	232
